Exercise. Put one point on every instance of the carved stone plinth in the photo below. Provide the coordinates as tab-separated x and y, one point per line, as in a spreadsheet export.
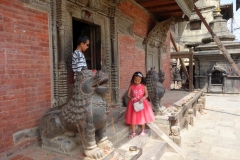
175	135
163	123
191	117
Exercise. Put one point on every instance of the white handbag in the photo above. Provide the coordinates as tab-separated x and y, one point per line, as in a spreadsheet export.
138	106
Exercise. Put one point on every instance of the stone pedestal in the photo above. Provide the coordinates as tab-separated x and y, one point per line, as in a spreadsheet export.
163	123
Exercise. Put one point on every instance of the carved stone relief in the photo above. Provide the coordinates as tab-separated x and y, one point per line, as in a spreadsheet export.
94	4
125	25
154	43
163	49
139	41
87	16
217	67
158	34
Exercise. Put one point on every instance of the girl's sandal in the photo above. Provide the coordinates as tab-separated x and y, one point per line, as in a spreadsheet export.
132	135
143	133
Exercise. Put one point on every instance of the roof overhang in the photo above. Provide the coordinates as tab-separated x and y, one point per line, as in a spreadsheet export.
164	9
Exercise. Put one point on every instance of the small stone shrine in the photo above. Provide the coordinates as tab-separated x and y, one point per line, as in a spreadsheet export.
211	67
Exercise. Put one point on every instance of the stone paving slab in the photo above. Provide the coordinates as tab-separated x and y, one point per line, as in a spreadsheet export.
215	135
170	97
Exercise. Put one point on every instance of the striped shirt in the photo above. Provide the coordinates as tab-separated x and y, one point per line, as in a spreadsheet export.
78	62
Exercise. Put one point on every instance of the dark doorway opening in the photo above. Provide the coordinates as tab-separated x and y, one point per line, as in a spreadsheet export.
216	77
93	53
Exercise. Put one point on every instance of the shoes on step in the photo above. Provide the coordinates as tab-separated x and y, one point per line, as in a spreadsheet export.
132	135
143	133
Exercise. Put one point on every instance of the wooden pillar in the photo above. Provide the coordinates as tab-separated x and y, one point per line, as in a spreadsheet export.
190	70
181	60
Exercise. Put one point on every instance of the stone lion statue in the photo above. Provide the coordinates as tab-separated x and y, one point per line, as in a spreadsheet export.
82	120
156	90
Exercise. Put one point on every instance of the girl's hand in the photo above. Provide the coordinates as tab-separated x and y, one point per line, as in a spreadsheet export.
132	99
141	100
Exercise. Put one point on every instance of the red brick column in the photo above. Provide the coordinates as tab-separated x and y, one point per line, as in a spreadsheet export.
25	80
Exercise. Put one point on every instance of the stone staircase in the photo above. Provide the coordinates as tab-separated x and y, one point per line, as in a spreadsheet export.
216	88
148	147
144	148
171	156
153	146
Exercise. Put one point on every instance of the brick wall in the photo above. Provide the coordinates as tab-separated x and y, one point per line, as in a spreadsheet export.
143	22
131	58
25	85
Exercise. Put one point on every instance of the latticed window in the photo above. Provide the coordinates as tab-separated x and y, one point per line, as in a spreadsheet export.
216	77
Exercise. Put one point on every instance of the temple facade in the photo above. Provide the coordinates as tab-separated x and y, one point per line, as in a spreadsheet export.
38	38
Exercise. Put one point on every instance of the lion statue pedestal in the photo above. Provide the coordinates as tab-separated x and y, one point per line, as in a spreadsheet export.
80	125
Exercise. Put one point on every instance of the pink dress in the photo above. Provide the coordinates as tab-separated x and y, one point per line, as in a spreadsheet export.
144	116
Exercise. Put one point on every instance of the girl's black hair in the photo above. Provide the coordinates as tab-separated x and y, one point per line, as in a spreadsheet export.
138	74
82	39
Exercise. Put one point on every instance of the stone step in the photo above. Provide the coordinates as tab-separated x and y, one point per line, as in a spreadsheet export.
123	148
216	90
146	148
153	150
116	115
166	138
171	156
118	131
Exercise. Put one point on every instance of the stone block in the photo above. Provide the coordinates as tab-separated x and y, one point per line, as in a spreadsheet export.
27	133
164	128
162	120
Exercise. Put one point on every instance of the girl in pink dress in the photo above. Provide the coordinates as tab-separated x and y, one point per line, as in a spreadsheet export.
137	92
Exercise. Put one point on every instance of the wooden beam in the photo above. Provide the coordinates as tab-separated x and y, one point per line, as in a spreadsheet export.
180	56
151	3
174	13
165	137
181	60
191	70
218	42
163	8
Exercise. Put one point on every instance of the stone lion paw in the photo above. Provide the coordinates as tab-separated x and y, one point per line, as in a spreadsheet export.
96	153
106	145
161	111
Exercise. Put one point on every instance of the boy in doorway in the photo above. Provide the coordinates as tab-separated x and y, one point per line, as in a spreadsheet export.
78	58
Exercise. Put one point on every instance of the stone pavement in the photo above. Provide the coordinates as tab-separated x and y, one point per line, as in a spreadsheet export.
170	97
215	135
